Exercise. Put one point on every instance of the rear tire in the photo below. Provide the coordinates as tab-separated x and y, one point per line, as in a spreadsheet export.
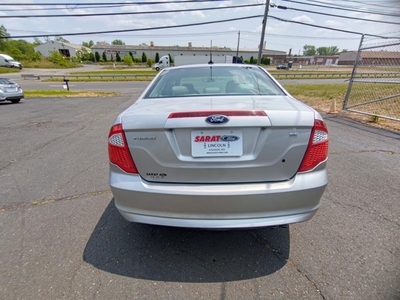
157	69
15	100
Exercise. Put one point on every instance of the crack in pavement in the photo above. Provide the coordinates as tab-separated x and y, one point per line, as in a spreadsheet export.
52	200
373	212
365	151
39	147
280	256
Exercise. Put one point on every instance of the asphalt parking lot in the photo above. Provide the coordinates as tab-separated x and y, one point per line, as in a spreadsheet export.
62	238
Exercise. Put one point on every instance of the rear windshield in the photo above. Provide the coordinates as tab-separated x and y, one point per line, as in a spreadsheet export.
213	80
6	81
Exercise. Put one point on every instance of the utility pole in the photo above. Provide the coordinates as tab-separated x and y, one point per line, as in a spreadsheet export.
260	48
237	49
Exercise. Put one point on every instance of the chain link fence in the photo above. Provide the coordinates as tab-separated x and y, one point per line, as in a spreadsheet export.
374	87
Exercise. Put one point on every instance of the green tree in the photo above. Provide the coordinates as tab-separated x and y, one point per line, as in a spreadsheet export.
57	58
117	42
37	42
127	59
131	54
97	56
150	62
20	50
104	56
144	57
88	44
171	61
61	39
265	61
87	56
112	57
117	57
333	50
157	59
323	51
344	50
251	60
309	50
3	37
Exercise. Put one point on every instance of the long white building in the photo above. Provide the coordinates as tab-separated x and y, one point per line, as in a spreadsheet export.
151	51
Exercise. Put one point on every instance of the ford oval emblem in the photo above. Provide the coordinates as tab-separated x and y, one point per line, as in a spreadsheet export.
217	119
230	138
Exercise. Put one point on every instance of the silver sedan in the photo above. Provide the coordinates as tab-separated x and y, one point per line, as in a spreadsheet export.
217	146
10	91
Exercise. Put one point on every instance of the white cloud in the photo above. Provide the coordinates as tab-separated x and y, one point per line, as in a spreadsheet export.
303	18
198	14
334	24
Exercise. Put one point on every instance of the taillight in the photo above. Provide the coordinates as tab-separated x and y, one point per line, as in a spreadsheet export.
118	151
317	150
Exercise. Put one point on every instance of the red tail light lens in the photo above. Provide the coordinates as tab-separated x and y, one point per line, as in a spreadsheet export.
118	151
207	113
317	150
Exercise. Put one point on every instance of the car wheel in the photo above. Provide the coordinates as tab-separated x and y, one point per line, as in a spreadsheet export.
157	69
15	100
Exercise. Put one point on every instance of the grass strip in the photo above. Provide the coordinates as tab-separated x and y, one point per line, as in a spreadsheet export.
117	72
8	70
67	94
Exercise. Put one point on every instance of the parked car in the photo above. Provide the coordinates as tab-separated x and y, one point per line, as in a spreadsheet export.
217	146
10	91
282	67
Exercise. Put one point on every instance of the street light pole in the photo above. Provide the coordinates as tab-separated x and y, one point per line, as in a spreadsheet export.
260	48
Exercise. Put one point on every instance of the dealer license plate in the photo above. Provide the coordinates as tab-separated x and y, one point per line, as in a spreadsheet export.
207	143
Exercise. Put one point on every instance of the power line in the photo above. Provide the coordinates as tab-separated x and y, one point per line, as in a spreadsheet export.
62	8
301	36
131	13
131	30
168	36
360	8
366	3
345	9
333	15
106	3
330	28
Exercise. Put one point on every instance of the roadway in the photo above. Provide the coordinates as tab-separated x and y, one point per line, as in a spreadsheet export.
134	86
62	238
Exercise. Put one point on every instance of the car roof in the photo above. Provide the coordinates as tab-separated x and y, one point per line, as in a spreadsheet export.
214	65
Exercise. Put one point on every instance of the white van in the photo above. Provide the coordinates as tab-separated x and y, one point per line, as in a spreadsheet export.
9	62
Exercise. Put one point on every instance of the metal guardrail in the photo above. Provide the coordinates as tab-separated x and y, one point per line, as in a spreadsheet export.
151	76
327	75
33	76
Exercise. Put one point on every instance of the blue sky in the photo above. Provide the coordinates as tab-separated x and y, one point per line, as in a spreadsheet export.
279	35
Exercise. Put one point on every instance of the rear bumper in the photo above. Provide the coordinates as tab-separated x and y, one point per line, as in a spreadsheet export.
11	96
218	206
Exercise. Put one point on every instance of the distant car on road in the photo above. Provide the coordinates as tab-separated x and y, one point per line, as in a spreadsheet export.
282	67
217	146
10	91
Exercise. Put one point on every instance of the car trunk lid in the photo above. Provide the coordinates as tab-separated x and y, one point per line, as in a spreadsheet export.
263	140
